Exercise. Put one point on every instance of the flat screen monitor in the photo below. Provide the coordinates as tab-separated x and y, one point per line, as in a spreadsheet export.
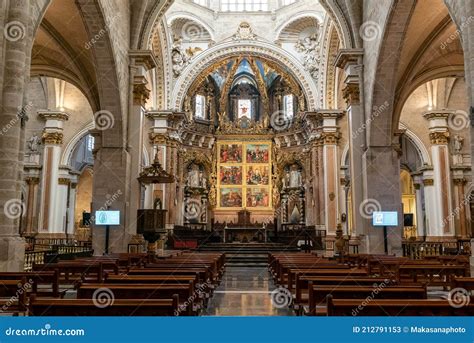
385	218
107	217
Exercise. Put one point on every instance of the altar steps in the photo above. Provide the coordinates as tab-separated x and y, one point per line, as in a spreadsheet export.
246	254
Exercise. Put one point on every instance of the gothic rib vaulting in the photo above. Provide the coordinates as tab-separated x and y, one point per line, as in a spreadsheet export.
235	126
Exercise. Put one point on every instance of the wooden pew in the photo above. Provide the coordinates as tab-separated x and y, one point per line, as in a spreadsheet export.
13	296
201	274
318	294
303	281
144	291
119	307
432	275
74	271
395	307
464	282
36	278
320	268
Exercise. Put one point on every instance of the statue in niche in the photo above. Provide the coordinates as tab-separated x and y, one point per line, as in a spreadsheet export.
196	177
193	176
295	177
458	143
33	143
295	215
286	179
309	48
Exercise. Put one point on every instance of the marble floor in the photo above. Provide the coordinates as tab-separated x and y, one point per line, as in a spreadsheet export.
248	292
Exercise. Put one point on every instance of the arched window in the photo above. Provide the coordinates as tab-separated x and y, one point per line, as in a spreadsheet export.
200	107
288	105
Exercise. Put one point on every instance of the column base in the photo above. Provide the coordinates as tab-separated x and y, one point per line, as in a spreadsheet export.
12	254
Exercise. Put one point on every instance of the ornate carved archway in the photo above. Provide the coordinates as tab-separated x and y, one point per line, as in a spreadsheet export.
260	49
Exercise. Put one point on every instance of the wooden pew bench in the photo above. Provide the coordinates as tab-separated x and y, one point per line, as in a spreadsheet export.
13	297
432	275
395	307
75	272
48	279
365	294
186	293
87	307
303	281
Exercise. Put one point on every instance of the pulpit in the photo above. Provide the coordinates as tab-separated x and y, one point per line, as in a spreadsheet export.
151	223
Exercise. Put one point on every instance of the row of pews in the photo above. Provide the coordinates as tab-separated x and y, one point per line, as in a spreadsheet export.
176	283
374	285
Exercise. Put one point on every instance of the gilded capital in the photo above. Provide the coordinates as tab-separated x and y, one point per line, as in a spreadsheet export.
439	138
428	182
141	94
52	138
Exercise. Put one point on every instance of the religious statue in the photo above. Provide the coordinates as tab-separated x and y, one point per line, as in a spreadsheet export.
309	48
33	143
295	177
193	177
458	143
340	242
202	180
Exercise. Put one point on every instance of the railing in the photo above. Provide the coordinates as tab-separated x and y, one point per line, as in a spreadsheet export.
420	250
64	252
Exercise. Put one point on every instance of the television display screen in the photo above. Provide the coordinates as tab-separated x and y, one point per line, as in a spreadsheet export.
107	217
385	218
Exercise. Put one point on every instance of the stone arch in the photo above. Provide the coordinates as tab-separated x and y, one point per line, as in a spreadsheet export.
383	90
418	144
108	82
232	48
71	145
192	18
297	17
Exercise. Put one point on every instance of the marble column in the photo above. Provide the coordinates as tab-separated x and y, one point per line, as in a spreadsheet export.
49	222
460	204
330	160
430	202
31	205
420	220
72	208
351	62
442	219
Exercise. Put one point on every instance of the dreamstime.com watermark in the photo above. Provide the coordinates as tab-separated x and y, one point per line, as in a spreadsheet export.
370	297
23	289
198	293
45	331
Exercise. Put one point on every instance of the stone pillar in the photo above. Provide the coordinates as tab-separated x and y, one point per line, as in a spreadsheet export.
382	172
15	64
330	160
430	202
49	222
460	205
442	219
350	62
71	227
61	210
140	63
31	204
420	220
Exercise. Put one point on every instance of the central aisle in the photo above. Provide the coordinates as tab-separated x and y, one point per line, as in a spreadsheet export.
245	291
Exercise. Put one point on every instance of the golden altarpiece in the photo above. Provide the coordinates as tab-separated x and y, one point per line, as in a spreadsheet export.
249	161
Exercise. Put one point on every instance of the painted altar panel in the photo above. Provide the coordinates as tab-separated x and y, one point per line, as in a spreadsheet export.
244	175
